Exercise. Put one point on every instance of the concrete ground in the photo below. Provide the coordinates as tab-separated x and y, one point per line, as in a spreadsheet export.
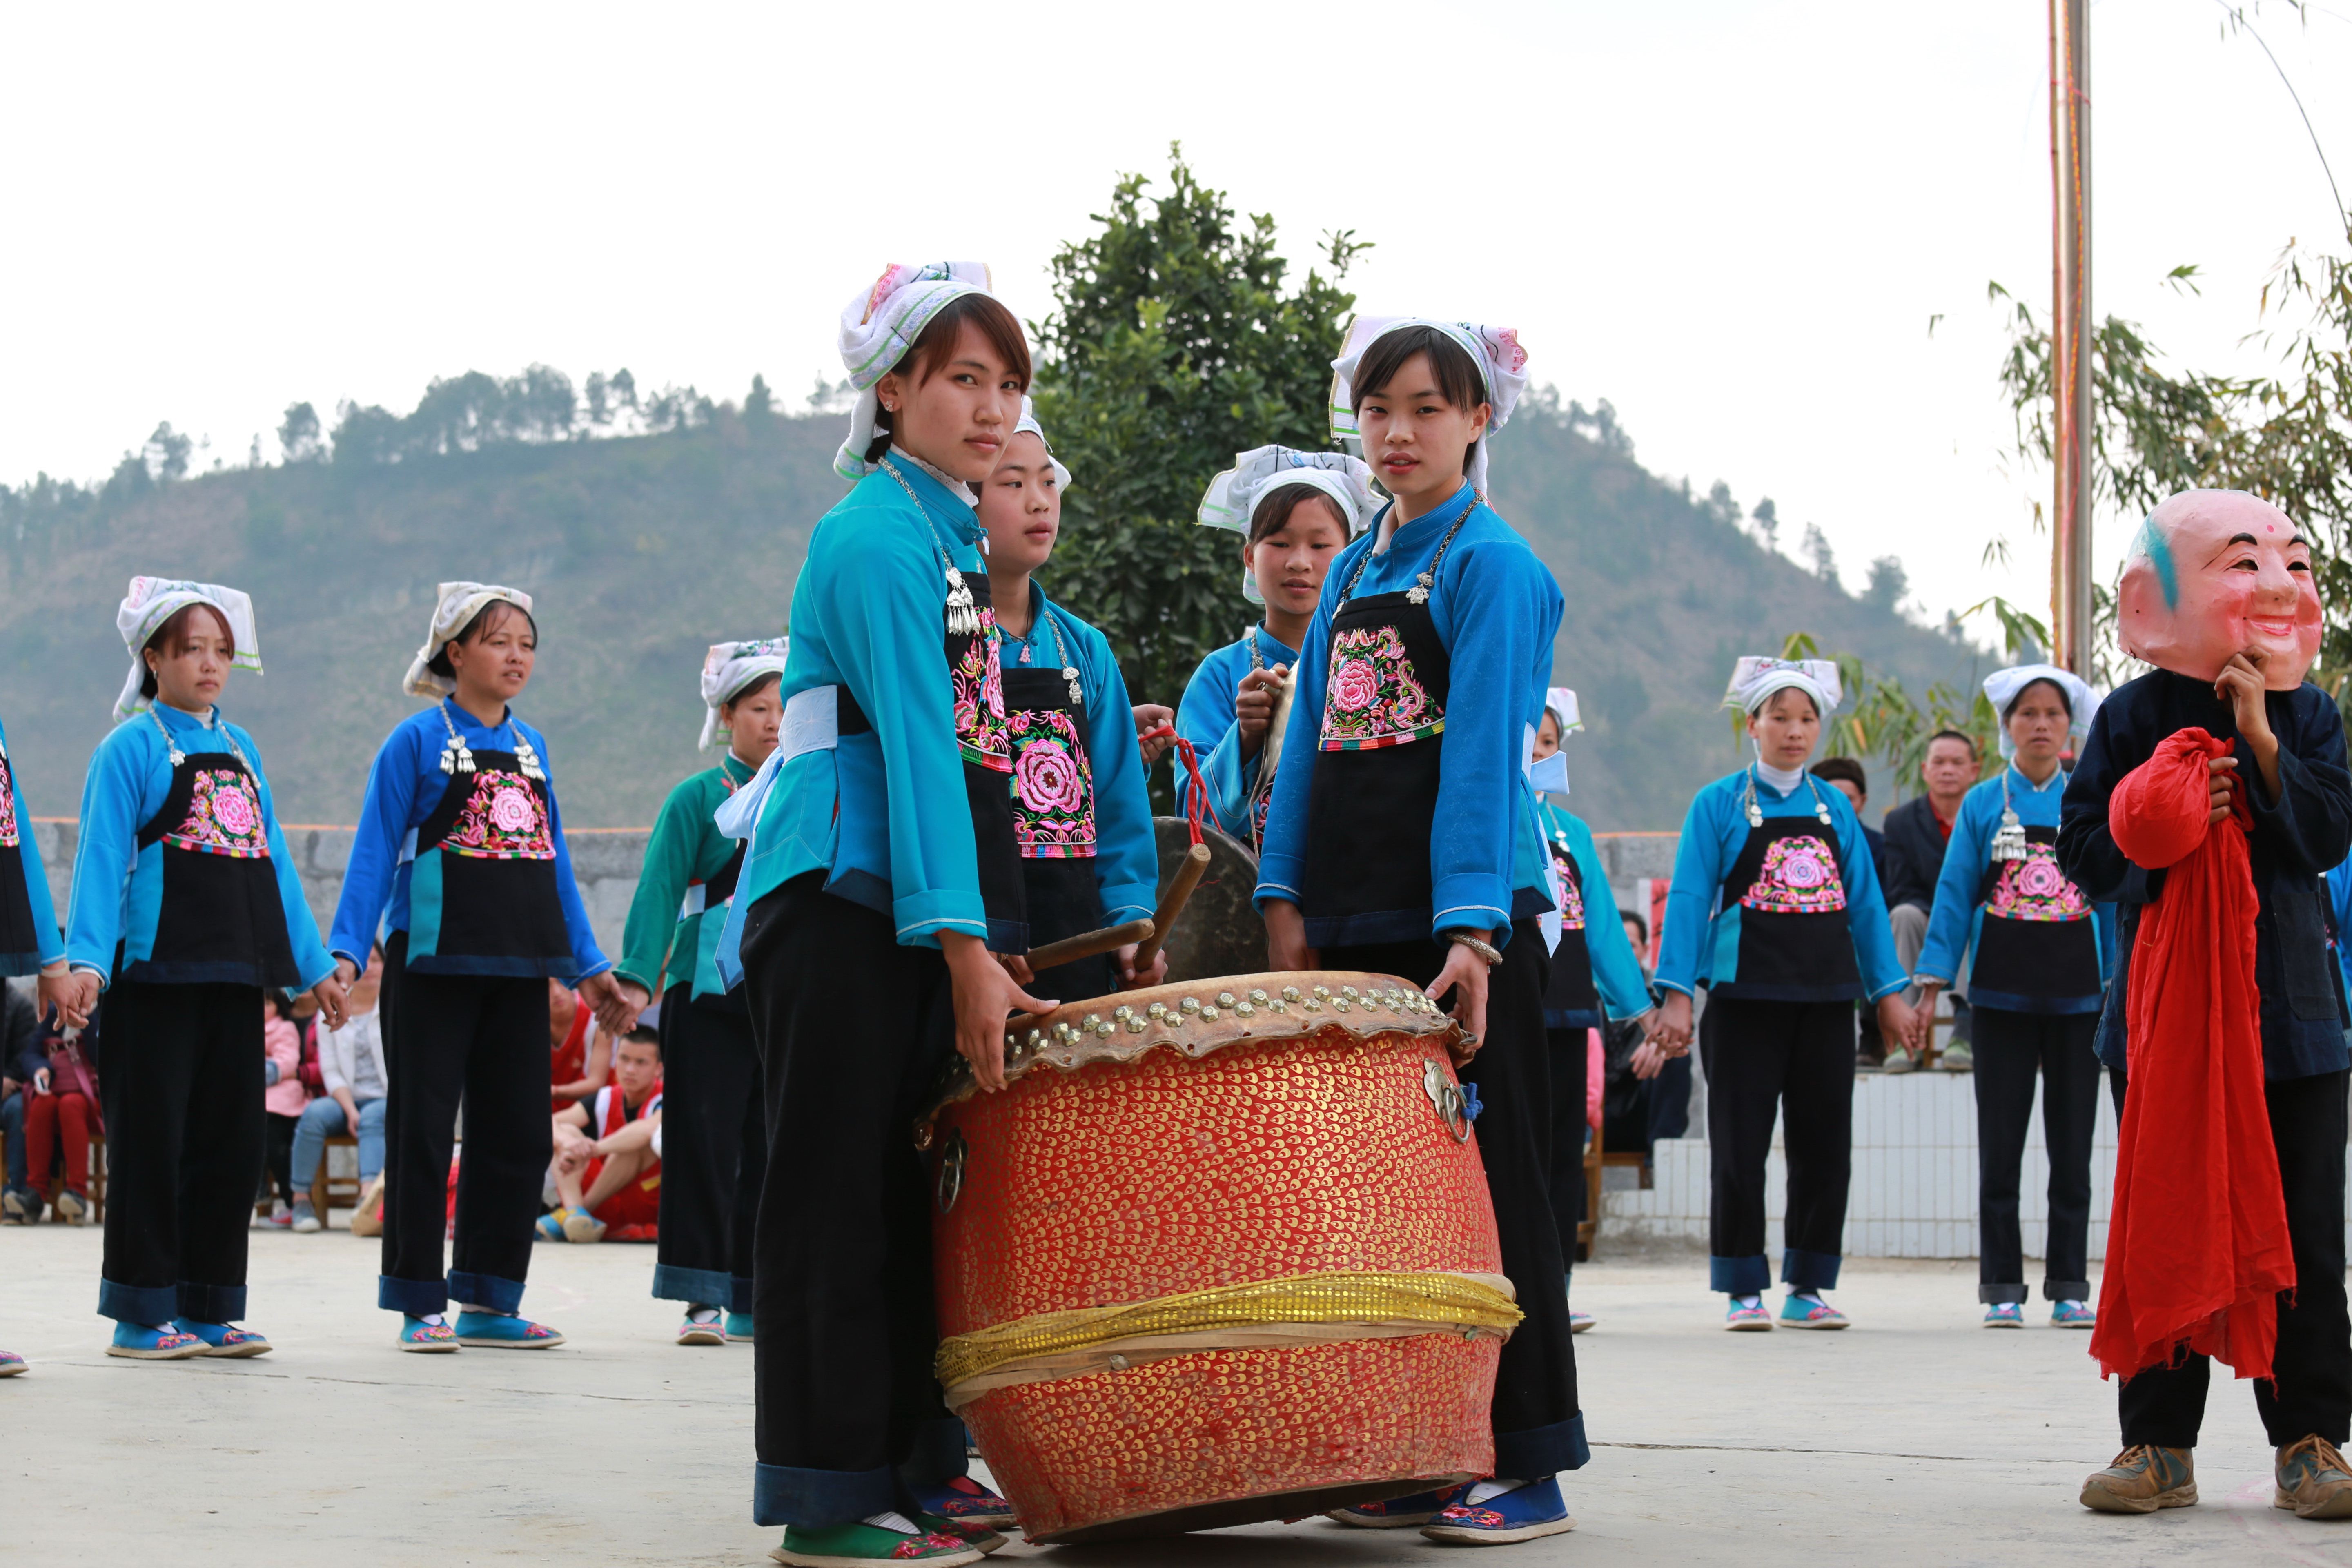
1915	1436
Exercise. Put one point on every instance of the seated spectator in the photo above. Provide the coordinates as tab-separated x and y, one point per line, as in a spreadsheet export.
612	1181
1917	833
61	1112
352	1074
19	1025
282	1099
581	1057
1646	1098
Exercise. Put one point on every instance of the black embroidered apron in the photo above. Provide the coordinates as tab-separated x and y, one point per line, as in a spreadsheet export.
983	737
20	943
483	884
1795	941
219	917
1571	1001
2037	942
1054	818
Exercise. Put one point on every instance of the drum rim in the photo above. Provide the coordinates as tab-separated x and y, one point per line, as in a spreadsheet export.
1362	1005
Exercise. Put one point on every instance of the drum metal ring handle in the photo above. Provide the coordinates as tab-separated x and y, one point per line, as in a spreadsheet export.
951	1161
1453	1107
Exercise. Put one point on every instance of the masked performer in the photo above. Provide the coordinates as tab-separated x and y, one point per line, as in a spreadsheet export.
714	1118
461	840
1089	855
1403	836
1295	512
1775	908
2210	799
1592	962
883	872
2041	952
185	907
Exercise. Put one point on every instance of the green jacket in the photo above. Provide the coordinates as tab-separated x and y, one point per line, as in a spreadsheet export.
665	923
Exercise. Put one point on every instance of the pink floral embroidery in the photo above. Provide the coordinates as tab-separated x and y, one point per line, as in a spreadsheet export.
503	819
224	817
979	680
2034	888
1515	358
1571	894
1053	800
1800	878
1375	697
7	808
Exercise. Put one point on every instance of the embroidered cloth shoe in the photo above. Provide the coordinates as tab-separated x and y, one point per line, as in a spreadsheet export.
962	1500
161	1341
701	1327
738	1328
494	1330
1803	1311
2074	1315
416	1334
978	1536
1578	1322
1521	1514
1748	1315
2313	1479
853	1545
2143	1479
1401	1513
11	1363
2004	1315
226	1339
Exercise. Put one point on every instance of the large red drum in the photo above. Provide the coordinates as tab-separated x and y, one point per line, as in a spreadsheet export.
1222	1252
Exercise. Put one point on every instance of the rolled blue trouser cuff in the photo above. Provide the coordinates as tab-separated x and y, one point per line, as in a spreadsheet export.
938	1455
1739	1275
211	1303
696	1286
1810	1270
1543	1450
486	1290
781	1494
1994	1295
418	1297
146	1305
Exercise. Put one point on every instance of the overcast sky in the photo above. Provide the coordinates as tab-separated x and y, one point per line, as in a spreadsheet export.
1734	220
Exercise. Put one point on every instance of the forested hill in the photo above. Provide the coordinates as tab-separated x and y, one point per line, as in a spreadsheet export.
641	550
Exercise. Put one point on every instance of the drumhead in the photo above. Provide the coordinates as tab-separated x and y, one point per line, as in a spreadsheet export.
1219	931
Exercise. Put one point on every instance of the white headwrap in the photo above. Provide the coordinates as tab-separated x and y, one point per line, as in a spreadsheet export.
454	605
151	601
1754	680
1502	366
1232	497
2001	687
1562	702
728	667
1549	776
880	325
1029	423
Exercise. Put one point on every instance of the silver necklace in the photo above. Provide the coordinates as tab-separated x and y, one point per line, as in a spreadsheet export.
963	611
1422	583
456	757
1755	812
207	719
2009	839
1070	670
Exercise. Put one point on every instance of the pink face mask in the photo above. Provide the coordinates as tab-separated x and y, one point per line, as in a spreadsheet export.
2217	573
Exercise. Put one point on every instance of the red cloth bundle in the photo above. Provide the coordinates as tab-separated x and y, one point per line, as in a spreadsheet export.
2197	1241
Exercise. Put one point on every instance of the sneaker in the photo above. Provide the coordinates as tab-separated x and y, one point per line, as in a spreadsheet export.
497	1331
1578	1322
701	1327
161	1342
2004	1315
1522	1513
368	1219
416	1334
883	1537
738	1328
550	1224
1956	1056
581	1226
963	1500
11	1363
2313	1479
1803	1311
281	1215
72	1207
1401	1513
977	1535
226	1340
306	1218
2144	1478
20	1208
1899	1061
2074	1315
1748	1315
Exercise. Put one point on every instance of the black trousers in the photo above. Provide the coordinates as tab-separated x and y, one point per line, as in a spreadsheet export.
2311	1387
2012	1051
183	1149
1567	1049
853	1029
1793	1060
481	1039
1538	1425
714	1154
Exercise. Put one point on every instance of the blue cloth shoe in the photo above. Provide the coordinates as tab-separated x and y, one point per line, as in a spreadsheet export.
493	1331
738	1328
962	1500
2004	1315
1748	1315
846	1545
11	1363
701	1327
1578	1321
1802	1312
160	1342
1522	1513
1401	1513
226	1340
2074	1315
416	1334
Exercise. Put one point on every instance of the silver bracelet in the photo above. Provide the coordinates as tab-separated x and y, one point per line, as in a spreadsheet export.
1484	948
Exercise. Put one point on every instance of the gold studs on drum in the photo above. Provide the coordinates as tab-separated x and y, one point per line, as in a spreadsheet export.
1190	1003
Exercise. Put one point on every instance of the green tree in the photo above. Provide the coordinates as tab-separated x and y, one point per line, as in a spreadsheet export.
298	438
1173	346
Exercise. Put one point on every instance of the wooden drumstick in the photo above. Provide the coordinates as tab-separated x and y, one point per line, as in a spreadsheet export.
1172	904
1070	949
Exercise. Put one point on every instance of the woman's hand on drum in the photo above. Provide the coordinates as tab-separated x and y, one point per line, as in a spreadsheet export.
1670	1025
985	996
1128	980
1464	974
1016	964
1285	938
